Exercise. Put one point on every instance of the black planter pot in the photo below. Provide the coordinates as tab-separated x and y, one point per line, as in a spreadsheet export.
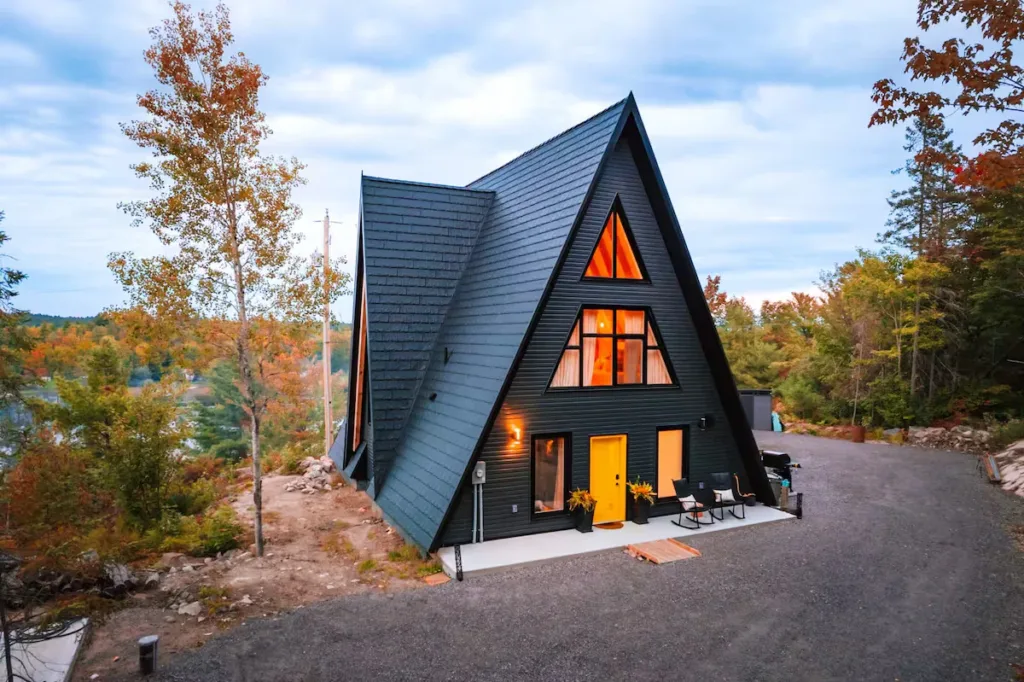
584	521
641	511
749	501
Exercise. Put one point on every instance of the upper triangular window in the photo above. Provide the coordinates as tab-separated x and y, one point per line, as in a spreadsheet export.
616	255
613	347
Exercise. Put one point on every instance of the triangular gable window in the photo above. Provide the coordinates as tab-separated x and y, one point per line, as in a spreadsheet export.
616	255
613	347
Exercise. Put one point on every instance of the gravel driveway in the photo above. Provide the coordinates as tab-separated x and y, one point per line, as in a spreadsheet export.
900	570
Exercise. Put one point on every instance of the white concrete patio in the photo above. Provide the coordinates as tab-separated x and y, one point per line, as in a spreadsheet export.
528	549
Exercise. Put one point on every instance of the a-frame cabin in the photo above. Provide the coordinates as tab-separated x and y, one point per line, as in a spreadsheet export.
545	319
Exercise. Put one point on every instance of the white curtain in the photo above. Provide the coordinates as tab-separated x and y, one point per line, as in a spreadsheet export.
634	321
568	372
589	357
632	361
657	372
558	499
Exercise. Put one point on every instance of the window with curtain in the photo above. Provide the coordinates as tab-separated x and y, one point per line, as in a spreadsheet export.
670	460
360	378
616	255
550	473
612	347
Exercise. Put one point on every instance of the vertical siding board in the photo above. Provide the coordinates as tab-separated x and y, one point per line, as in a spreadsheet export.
637	412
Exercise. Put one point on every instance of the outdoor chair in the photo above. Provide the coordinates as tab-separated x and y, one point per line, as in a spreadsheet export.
701	501
726	489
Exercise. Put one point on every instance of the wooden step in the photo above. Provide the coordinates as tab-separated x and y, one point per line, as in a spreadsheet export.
662	551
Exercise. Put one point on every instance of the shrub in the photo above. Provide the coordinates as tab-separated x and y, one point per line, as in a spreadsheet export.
193	498
231	451
220	531
890	401
1008	433
207	535
51	486
141	460
367	565
214	599
802	397
199	467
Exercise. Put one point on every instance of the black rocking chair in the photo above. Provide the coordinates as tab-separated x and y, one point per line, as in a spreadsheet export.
730	482
702	503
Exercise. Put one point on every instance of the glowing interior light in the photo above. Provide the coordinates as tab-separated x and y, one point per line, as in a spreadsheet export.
516	433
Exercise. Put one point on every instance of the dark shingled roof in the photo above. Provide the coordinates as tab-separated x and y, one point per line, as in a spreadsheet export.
537	197
416	241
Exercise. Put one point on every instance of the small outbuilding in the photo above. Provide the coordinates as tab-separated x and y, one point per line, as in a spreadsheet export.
757	404
547	321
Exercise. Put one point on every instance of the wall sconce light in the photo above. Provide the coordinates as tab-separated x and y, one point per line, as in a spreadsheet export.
516	433
706	422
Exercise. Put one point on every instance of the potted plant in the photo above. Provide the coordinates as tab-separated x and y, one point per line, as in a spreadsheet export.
643	498
582	504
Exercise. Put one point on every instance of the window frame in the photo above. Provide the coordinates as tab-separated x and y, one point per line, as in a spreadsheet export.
615	337
644	277
359	402
685	428
567	482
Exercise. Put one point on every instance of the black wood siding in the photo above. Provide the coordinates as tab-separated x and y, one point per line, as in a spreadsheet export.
636	412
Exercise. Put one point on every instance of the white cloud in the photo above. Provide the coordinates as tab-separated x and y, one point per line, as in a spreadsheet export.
16	55
757	113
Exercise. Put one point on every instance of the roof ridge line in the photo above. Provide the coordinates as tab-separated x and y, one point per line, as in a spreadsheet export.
426	184
549	140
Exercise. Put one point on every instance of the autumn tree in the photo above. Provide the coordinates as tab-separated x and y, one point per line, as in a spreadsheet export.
14	340
974	76
222	208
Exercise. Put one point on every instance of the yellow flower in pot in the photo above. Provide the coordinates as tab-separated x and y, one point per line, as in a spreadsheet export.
582	504
643	498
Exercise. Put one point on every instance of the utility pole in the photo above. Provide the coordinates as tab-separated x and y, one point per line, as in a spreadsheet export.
328	403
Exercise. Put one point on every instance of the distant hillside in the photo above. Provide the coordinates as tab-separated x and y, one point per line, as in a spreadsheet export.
38	319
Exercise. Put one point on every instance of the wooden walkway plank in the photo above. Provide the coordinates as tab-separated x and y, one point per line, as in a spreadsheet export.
662	551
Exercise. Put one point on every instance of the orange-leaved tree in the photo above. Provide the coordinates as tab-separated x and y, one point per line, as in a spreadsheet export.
222	209
974	76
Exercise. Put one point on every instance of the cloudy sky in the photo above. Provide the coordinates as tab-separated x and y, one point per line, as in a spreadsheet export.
757	111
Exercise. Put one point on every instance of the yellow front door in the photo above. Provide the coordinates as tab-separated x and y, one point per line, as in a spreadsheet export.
608	477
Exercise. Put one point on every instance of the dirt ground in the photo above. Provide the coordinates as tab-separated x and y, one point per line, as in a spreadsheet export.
318	546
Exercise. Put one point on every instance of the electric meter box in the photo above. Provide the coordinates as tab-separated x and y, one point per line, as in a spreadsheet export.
480	473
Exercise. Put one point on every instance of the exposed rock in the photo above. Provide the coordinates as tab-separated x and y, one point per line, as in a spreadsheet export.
90	557
315	477
960	437
244	601
187	568
191	609
171	559
1011	467
151	580
119	578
